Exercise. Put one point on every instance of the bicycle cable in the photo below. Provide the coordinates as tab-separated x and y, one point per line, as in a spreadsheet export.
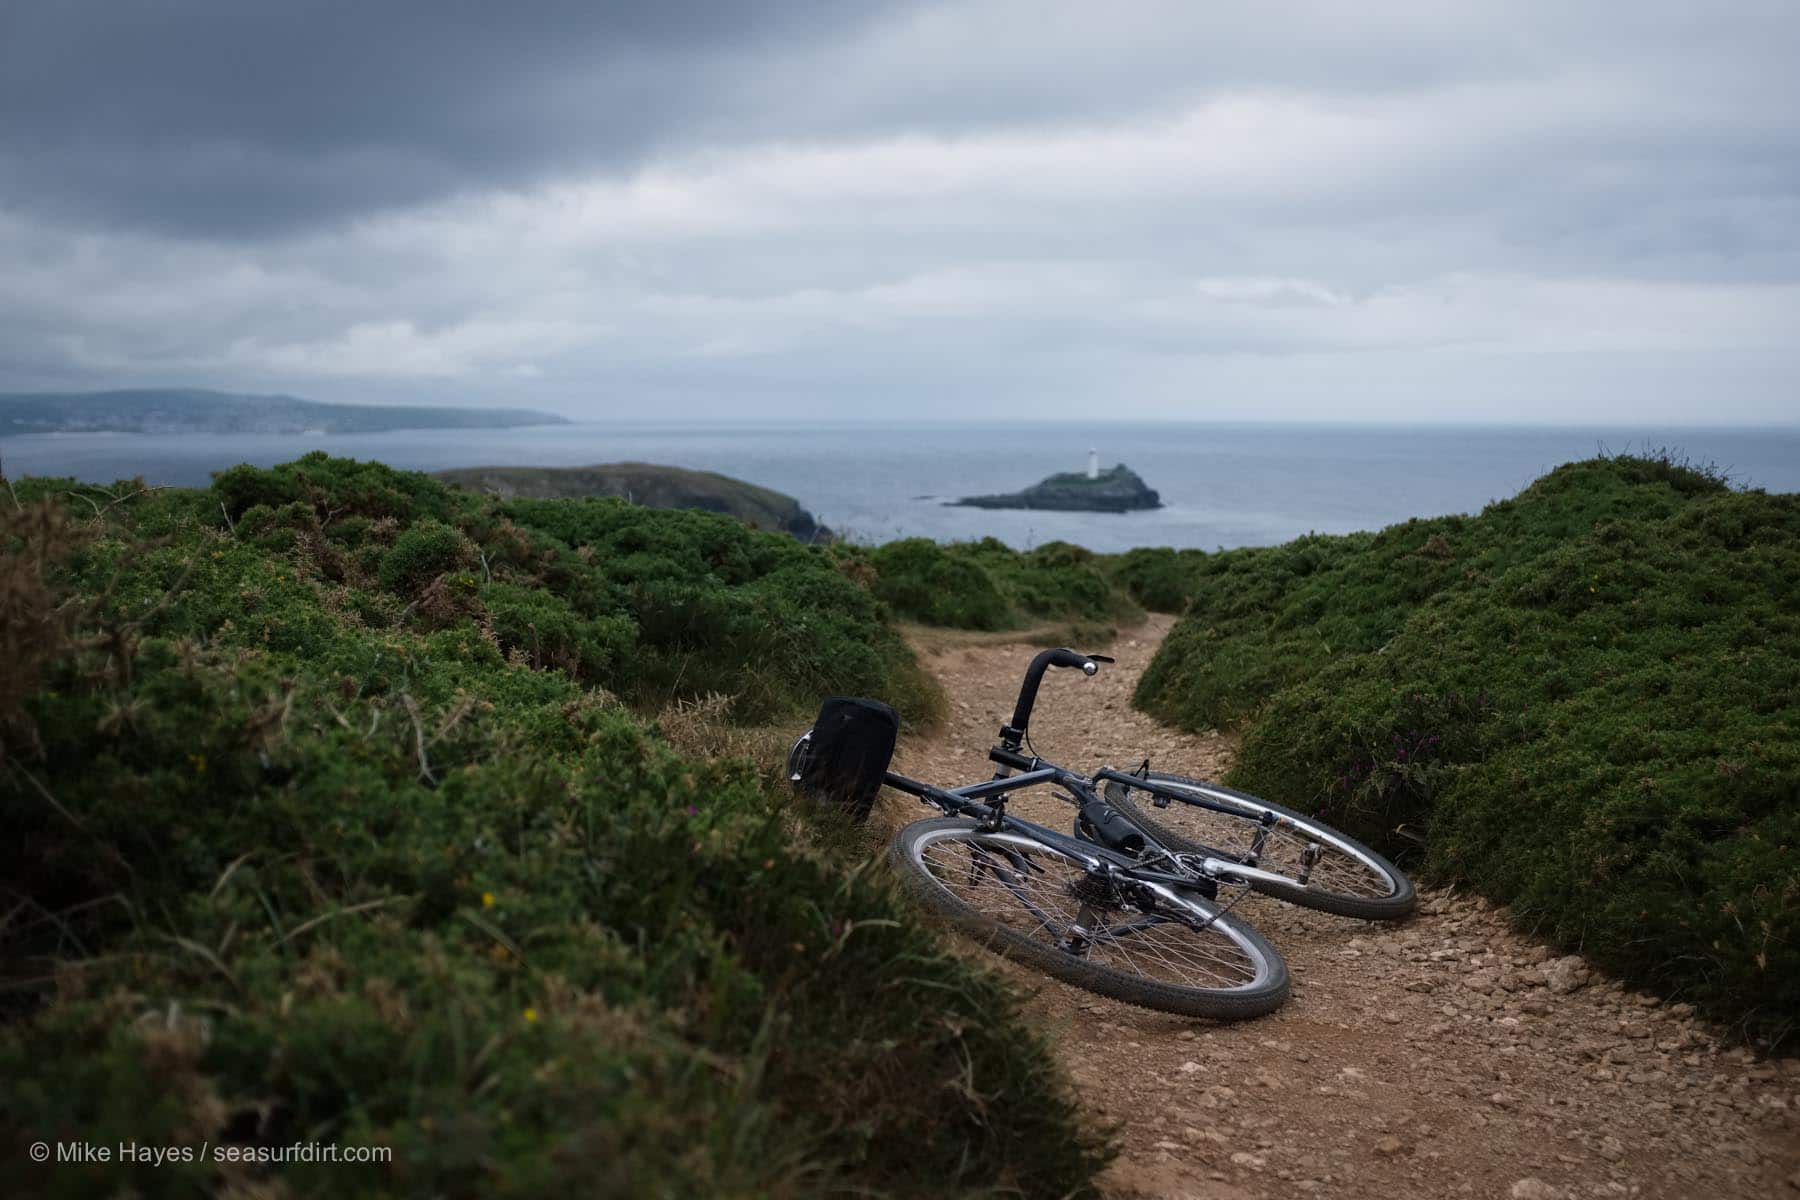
1208	923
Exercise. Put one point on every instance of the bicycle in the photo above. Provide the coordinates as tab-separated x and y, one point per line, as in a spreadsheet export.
1127	905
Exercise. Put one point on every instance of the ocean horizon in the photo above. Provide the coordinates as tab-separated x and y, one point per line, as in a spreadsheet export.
1223	484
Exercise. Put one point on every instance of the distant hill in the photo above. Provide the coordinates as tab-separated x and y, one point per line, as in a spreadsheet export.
652	486
191	410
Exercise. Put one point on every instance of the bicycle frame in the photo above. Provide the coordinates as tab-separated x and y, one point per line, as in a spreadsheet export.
1193	870
966	801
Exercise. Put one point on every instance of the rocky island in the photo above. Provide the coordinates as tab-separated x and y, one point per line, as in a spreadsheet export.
652	486
1116	489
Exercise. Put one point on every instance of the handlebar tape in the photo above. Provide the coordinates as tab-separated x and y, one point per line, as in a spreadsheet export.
1062	656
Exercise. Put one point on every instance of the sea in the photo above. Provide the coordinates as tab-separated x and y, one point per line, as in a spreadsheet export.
1222	485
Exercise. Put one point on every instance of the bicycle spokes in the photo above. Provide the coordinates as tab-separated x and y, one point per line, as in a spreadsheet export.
1062	904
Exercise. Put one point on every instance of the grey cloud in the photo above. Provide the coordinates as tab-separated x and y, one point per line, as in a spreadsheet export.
218	117
221	117
1161	206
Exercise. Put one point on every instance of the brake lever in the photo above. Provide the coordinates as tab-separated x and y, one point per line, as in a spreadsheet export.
1105	658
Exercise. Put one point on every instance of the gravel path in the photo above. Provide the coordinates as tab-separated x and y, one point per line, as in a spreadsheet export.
1445	1056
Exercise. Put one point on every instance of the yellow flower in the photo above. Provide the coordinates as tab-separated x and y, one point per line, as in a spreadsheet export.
530	1014
487	899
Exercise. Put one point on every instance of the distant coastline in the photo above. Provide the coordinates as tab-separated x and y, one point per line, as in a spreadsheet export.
194	410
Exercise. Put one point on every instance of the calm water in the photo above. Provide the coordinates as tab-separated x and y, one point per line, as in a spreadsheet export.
1224	485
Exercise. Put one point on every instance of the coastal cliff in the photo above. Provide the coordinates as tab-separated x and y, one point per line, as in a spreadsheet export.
652	486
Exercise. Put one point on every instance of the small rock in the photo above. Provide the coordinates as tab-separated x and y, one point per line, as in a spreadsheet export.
1391	1147
1534	1189
1568	974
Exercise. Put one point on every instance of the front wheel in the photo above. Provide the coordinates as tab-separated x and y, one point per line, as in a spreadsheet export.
1089	925
1319	867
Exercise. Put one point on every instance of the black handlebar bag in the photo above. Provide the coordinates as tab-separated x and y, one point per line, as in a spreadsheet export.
844	757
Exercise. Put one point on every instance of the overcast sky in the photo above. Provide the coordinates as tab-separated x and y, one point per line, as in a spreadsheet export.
1519	210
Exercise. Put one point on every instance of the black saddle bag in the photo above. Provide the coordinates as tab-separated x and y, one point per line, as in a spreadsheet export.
844	757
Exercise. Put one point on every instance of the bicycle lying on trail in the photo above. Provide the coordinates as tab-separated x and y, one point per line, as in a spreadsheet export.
1128	904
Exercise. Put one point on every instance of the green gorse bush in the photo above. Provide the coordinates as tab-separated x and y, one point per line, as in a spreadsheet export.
1584	701
988	585
1159	578
329	820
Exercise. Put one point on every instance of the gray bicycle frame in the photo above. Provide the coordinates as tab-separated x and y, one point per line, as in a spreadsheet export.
967	802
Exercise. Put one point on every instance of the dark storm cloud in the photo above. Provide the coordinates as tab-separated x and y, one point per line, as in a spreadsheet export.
1146	207
228	117
236	115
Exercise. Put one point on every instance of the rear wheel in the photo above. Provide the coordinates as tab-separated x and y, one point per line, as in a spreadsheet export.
1175	952
1321	868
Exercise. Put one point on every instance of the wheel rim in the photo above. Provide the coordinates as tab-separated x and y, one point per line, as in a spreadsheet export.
1048	897
1342	867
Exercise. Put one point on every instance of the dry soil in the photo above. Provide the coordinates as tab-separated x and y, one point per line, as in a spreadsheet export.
1449	1055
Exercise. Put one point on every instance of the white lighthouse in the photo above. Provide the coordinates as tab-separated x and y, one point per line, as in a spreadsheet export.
1093	464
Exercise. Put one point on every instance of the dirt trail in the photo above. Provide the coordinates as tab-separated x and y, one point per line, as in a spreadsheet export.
1445	1056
